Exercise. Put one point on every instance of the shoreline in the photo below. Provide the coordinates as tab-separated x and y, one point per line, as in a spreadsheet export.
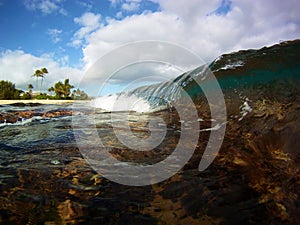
40	101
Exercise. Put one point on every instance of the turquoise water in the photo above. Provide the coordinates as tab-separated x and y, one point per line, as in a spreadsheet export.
276	66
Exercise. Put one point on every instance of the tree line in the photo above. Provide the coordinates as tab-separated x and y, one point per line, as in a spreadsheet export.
61	90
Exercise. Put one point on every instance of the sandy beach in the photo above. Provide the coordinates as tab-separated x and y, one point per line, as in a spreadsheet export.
5	102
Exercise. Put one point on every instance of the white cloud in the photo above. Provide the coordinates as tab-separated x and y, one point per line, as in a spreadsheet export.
85	4
192	24
115	2
131	5
62	11
119	15
55	35
18	67
45	6
64	60
89	22
189	11
127	5
154	26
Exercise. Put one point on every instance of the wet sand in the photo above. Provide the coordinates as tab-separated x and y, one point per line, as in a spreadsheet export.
44	101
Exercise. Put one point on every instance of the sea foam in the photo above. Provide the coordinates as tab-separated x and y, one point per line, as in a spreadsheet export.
121	102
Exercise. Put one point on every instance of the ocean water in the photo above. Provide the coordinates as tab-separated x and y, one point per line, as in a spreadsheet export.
254	179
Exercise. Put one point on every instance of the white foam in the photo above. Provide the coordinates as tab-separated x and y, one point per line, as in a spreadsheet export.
232	65
121	102
23	121
219	58
216	127
245	109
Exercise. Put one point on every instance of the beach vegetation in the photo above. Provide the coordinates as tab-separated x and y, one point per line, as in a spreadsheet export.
8	90
62	90
25	96
79	95
30	87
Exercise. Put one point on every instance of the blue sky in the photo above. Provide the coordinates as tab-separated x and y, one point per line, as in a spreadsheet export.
43	27
68	36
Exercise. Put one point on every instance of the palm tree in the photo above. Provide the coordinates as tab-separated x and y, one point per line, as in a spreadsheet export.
67	88
30	87
58	88
63	90
51	89
40	73
37	74
44	72
79	95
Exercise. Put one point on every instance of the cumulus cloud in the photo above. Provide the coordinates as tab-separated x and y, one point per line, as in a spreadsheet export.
189	11
18	67
141	60
45	6
89	22
209	28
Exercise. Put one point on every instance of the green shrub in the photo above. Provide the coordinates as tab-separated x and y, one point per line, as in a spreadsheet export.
8	90
26	95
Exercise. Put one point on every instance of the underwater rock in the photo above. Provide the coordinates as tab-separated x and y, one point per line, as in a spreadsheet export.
8	118
254	179
57	113
28	114
15	116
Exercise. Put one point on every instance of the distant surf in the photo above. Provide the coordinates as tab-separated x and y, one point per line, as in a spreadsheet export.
121	102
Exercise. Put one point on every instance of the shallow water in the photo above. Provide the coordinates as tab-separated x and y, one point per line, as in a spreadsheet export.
45	180
254	179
